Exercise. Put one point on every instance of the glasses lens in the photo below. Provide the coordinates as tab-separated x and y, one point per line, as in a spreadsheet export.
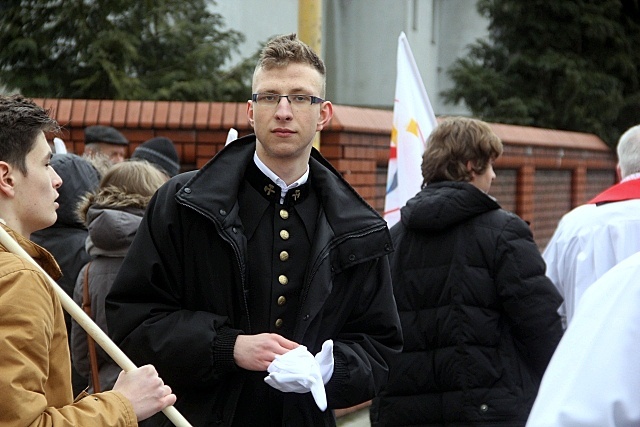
267	98
300	99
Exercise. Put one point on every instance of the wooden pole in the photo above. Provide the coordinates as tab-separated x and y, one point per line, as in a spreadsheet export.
86	323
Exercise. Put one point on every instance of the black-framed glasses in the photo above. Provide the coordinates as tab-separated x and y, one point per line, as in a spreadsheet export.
294	99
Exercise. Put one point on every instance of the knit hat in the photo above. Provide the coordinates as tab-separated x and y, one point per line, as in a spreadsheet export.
106	134
161	153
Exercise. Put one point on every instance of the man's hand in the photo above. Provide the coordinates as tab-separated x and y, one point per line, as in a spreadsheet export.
256	352
145	390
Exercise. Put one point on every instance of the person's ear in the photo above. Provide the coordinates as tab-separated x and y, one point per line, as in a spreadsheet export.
469	165
326	113
470	170
250	112
6	179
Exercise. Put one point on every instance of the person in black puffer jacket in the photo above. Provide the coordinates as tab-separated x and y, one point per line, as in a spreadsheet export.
478	314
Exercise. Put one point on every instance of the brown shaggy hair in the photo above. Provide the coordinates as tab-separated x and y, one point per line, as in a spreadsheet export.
455	142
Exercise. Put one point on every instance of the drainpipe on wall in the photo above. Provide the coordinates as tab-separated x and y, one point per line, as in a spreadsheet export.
310	32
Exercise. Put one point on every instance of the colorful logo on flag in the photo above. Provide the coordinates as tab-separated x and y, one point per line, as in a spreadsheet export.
413	121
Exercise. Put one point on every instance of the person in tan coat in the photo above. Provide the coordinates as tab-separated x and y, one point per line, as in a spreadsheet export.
35	368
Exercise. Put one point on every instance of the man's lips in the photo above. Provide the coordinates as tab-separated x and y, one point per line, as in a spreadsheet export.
283	132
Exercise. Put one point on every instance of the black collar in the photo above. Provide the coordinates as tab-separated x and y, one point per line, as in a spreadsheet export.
271	191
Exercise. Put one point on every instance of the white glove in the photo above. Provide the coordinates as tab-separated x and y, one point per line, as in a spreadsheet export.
297	371
325	360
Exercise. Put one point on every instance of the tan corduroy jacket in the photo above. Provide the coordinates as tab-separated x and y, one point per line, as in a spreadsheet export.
35	368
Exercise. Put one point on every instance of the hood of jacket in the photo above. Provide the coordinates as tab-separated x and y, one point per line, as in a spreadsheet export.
112	218
443	204
79	177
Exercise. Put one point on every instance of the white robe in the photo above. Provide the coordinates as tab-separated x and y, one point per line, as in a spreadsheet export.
588	242
593	379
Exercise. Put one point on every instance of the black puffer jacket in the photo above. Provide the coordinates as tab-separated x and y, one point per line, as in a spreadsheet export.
479	316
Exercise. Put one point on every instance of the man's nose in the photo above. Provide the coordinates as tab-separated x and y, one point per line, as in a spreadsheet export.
283	108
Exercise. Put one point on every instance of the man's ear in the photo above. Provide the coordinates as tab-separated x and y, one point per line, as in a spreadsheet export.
326	112
6	179
250	112
470	170
469	165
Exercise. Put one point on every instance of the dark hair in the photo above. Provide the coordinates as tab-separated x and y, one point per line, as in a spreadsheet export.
453	143
21	121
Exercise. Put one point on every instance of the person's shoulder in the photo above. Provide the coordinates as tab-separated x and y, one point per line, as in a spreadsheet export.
500	218
505	223
587	218
22	281
11	263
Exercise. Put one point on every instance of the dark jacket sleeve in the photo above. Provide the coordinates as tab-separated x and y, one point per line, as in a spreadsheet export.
144	309
367	341
529	298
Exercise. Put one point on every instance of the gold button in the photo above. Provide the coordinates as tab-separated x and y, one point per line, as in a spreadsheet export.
283	279
284	234
281	300
284	255
284	214
279	323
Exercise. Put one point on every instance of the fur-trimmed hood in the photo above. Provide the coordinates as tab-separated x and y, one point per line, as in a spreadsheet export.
111	198
112	217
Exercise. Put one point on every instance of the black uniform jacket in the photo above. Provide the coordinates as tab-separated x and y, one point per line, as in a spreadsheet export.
180	298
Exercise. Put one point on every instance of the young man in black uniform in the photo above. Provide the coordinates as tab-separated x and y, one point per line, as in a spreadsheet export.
264	250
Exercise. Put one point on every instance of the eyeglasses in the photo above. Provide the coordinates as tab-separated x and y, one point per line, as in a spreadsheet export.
294	99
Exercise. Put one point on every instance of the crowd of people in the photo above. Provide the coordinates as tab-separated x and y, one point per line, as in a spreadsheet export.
266	292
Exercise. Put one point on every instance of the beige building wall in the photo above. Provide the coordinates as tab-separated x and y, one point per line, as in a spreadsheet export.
360	40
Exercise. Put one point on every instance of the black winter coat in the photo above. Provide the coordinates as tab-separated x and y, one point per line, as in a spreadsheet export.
180	298
478	314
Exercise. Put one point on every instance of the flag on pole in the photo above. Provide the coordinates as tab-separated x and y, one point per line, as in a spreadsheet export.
413	121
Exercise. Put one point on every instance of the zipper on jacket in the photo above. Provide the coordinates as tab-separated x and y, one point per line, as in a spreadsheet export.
324	254
236	251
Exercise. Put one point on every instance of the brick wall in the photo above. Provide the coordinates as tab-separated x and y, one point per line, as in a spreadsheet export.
542	174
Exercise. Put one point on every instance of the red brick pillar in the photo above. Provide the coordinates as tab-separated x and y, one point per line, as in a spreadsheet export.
525	186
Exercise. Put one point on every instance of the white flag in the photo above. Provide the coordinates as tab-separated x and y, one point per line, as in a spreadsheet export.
231	136
59	146
413	121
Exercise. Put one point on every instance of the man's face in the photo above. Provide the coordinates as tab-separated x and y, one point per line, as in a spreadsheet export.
284	131
114	152
35	194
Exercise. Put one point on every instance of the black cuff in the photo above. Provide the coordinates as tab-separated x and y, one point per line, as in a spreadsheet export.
341	374
223	350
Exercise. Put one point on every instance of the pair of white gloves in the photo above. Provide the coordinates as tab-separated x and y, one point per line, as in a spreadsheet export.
298	371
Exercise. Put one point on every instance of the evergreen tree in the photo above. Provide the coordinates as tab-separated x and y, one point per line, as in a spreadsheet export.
567	64
119	49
